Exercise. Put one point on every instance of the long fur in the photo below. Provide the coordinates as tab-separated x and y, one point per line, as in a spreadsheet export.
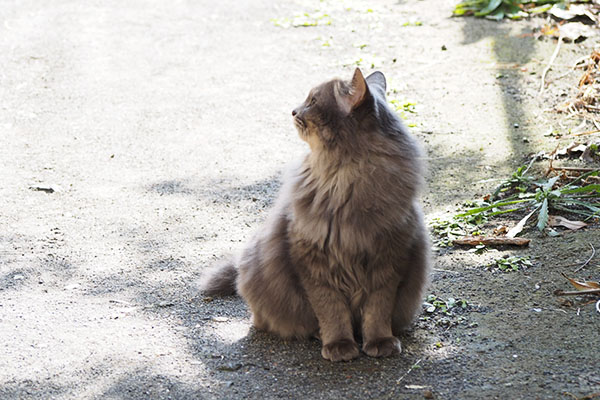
220	279
344	251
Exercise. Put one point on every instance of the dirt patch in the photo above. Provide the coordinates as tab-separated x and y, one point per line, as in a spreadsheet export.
163	129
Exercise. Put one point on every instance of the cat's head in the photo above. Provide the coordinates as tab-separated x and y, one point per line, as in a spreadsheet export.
333	106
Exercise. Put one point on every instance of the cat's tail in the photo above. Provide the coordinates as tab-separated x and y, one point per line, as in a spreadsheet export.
220	279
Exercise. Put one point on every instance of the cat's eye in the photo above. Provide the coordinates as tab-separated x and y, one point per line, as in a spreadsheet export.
312	102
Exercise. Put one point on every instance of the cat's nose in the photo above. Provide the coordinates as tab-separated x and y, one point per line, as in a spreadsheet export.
294	112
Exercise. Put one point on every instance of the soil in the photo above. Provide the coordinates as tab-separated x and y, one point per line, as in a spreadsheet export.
142	141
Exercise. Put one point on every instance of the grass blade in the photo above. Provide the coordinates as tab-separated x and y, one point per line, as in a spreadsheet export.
584	189
581	178
495	205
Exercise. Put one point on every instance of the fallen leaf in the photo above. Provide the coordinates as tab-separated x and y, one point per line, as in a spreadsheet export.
501	230
557	220
583	285
578	148
519	227
575	11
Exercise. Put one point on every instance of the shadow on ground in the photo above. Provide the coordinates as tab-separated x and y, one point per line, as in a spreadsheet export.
511	50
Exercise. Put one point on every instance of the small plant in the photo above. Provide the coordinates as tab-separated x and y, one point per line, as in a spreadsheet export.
518	181
446	231
434	304
479	249
412	23
541	197
498	9
303	20
514	263
404	108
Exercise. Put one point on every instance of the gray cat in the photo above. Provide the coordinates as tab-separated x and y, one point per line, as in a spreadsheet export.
344	251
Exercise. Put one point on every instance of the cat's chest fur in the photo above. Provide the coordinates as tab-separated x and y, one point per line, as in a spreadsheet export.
330	210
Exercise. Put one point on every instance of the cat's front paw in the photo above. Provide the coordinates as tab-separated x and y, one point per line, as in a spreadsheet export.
342	350
382	347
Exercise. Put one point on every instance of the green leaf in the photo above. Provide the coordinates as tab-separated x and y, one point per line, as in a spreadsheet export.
494	205
540	9
543	216
581	178
492	5
548	185
584	189
497	16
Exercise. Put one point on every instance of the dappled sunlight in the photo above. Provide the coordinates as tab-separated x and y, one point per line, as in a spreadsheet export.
228	330
111	331
141	142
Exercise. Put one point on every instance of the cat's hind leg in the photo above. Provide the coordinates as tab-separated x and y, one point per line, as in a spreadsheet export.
272	289
409	295
277	303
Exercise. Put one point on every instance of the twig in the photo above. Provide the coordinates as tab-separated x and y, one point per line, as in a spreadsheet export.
573	68
576	292
579	169
585	133
409	370
552	158
588	260
492	241
556	50
576	63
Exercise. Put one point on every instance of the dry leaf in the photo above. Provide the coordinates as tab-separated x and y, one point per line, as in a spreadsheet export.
556	220
583	285
519	227
501	230
575	11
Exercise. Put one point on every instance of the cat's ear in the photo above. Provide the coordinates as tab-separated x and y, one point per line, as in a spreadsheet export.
356	95
377	81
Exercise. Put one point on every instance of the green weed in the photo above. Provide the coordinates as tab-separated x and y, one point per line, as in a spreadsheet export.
540	197
435	304
498	9
303	20
514	263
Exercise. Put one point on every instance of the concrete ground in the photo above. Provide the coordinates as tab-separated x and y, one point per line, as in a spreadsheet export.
140	141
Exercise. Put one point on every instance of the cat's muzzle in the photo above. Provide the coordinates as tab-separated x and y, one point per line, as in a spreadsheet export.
299	122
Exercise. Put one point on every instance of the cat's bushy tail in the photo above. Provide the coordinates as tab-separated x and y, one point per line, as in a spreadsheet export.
220	279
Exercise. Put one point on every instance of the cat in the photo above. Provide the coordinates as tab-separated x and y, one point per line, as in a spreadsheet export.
344	251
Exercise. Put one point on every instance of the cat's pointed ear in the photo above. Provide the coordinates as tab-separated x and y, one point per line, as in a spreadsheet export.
358	91
377	82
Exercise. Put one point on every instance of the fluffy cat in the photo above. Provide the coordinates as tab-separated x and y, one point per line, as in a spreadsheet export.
344	251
